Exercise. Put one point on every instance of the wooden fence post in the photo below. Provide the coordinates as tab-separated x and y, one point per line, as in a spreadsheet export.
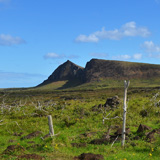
126	84
50	123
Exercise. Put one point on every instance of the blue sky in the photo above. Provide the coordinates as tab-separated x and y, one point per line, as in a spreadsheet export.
37	36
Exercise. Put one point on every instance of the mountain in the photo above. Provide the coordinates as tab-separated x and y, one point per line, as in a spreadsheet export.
66	71
101	69
98	70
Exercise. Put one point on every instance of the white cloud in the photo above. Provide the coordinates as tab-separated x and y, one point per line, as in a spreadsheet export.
100	55
150	47
137	56
84	38
127	30
122	57
53	56
58	56
8	40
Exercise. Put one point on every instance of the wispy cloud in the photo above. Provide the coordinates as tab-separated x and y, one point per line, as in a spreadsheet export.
58	56
99	55
8	40
136	56
150	47
127	30
122	57
53	56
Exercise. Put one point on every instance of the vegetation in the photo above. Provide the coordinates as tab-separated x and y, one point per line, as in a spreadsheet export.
78	123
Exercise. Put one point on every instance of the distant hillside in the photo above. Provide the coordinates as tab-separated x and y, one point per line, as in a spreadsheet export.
102	70
66	71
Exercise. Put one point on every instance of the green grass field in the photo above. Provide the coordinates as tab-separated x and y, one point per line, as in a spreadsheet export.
76	123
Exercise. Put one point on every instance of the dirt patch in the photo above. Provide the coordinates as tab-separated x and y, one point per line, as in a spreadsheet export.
100	141
30	156
89	156
13	148
32	135
17	134
46	136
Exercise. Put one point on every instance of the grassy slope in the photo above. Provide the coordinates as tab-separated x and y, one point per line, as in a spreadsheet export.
72	116
102	84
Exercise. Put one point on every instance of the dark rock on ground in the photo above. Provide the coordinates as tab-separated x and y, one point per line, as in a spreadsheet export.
142	128
150	136
136	138
112	102
17	134
89	156
46	136
100	141
32	135
143	113
30	156
13	148
118	138
119	131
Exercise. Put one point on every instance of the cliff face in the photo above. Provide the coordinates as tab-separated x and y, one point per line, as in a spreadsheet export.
66	71
103	69
96	69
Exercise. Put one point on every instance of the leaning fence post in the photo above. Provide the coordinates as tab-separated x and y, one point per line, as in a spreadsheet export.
50	123
126	84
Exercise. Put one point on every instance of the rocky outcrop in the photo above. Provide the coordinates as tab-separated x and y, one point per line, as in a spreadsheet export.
97	69
66	71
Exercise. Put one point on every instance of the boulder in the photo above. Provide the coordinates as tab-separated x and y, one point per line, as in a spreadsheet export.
112	102
142	128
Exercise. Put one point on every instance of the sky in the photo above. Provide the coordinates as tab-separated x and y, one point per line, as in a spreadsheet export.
37	36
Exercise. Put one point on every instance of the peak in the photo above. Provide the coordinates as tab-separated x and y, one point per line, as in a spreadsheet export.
68	61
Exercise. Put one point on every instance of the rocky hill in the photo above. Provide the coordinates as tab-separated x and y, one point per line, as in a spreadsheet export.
96	70
66	71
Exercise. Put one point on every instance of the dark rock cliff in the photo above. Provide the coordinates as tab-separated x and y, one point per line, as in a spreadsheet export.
97	69
66	71
100	69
